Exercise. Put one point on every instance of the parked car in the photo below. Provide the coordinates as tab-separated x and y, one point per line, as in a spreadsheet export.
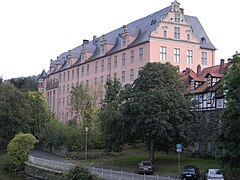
215	174
145	167
190	172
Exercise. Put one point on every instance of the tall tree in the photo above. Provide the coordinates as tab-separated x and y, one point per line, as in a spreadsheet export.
158	107
15	113
84	103
229	137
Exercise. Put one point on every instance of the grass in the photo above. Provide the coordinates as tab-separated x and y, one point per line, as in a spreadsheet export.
164	163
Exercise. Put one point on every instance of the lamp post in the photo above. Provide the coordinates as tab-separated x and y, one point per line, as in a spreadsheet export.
86	130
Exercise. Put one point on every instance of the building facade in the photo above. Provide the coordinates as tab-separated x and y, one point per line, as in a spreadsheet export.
206	87
164	36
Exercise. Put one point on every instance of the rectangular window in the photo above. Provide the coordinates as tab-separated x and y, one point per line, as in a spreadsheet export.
123	60
88	69
63	89
165	33
115	75
141	54
176	55
68	88
102	65
77	72
177	33
131	74
82	71
124	41
115	61
188	37
123	77
60	90
87	84
108	77
64	76
163	53
96	67
63	101
177	18
67	101
204	58
132	57
189	57
95	82
109	64
101	82
59	101
219	103
60	77
68	77
72	73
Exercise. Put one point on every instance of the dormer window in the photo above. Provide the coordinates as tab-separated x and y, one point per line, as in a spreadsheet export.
188	36
124	41
68	63
177	18
82	57
165	31
103	49
209	80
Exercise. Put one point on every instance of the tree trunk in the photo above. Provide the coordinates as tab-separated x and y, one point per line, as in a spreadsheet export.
151	152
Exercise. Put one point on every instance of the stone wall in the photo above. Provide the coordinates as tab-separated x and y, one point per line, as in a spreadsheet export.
208	124
42	172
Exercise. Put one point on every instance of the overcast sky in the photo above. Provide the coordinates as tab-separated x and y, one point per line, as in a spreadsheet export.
34	31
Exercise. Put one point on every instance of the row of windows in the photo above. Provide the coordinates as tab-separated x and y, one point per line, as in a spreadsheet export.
132	59
177	33
63	89
189	58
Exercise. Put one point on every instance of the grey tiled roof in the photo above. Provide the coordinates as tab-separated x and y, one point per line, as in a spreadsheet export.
141	29
42	75
199	32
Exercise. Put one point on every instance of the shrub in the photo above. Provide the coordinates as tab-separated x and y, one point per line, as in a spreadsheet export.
79	173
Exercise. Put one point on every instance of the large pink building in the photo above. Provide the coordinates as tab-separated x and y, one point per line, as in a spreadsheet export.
164	36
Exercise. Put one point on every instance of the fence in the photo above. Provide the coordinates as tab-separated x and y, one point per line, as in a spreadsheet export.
120	175
50	163
100	172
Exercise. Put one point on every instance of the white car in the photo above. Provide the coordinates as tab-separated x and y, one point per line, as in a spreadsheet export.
213	174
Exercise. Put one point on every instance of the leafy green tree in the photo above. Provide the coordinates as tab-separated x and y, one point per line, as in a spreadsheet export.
111	117
158	108
15	113
229	136
84	103
80	173
40	113
18	149
25	83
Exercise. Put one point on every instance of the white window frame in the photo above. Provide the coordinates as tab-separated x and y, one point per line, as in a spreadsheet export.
163	53
189	56
177	55
204	58
177	33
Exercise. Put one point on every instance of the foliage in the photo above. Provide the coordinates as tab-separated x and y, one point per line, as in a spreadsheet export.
25	83
83	103
18	149
110	117
229	136
72	137
15	113
79	173
40	113
154	109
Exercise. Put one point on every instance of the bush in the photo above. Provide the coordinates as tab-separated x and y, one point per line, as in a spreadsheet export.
79	173
5	162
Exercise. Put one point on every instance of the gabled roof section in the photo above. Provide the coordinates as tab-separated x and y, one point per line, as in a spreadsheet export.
200	32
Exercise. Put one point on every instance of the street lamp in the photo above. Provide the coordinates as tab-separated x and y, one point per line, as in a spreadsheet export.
86	130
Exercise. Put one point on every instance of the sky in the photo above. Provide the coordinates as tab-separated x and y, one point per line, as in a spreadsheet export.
34	31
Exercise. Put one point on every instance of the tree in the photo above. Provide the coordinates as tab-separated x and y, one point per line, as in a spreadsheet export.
18	149
111	117
84	103
40	114
229	136
157	109
15	113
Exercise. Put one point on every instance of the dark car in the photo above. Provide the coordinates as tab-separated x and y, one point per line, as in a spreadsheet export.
145	167
215	174
190	172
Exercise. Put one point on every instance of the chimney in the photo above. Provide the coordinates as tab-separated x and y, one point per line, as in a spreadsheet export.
199	70
221	68
85	41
